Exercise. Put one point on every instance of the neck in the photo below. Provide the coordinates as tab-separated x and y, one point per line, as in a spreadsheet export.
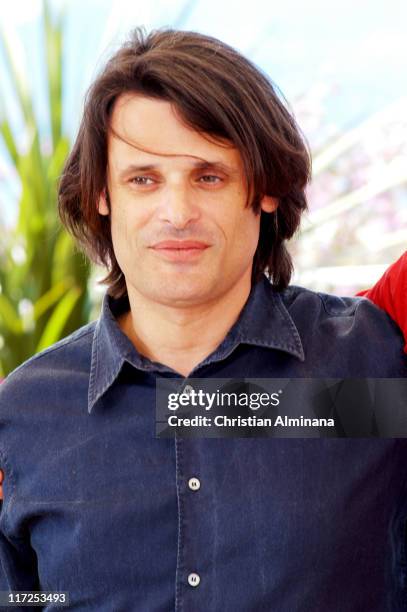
180	338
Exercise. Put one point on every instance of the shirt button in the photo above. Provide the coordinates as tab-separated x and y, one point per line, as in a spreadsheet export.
194	484
187	390
193	580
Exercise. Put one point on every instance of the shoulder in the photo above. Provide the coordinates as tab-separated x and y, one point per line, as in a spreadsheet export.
325	306
334	303
350	332
72	355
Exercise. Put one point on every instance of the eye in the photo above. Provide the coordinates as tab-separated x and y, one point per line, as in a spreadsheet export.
141	180
210	178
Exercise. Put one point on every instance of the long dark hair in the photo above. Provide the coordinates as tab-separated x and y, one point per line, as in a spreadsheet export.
216	91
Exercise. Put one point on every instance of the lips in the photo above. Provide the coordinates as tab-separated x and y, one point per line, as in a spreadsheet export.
180	251
180	245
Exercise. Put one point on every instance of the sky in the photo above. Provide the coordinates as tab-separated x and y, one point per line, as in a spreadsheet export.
358	47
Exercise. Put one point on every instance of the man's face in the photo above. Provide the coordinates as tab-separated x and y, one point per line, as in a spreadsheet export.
181	232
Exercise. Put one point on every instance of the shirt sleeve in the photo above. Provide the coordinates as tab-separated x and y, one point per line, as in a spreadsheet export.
18	560
390	293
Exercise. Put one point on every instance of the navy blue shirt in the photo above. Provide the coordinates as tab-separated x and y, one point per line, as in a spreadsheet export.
96	505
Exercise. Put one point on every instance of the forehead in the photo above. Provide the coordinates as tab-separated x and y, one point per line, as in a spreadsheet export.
148	130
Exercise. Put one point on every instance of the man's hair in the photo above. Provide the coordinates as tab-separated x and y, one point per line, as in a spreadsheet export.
217	92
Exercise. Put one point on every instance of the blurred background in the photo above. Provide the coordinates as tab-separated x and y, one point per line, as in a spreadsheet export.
341	66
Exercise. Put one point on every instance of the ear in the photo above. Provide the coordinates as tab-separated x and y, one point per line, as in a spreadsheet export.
268	204
103	208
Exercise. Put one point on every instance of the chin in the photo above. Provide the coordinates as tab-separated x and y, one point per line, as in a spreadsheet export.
180	293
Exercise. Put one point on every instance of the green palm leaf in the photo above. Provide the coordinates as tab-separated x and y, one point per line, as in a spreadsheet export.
44	281
59	318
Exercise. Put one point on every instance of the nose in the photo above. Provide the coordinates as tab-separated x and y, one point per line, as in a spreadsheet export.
177	206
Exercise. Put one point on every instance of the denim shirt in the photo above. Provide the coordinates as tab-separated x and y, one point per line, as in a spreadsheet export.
96	505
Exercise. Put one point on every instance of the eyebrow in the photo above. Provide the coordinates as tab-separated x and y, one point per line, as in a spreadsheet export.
198	165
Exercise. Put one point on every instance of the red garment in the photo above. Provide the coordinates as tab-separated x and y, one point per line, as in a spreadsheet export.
390	293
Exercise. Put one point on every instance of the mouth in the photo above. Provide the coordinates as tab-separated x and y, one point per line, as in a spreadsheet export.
180	250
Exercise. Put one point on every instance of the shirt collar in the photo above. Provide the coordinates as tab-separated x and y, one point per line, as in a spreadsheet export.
264	321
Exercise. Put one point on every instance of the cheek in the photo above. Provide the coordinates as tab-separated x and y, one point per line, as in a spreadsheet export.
247	229
248	237
122	240
240	236
118	229
126	227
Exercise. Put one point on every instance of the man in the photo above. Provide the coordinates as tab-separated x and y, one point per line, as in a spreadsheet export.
186	178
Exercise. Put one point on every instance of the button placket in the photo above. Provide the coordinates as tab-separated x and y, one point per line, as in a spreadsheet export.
188	575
